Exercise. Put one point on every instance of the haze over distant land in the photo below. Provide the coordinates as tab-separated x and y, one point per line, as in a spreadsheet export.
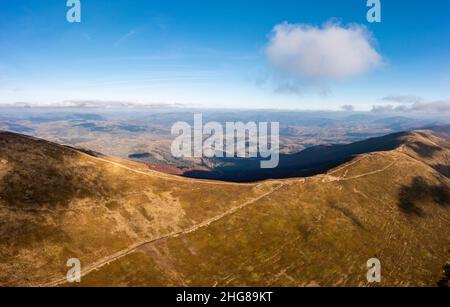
145	133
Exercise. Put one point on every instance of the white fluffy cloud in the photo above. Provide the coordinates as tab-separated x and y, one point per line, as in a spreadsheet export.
347	107
439	106
329	52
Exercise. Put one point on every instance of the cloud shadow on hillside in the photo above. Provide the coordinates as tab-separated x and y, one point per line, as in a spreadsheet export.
413	197
425	150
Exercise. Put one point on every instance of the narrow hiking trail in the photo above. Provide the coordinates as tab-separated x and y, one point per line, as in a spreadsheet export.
277	185
153	173
330	178
104	261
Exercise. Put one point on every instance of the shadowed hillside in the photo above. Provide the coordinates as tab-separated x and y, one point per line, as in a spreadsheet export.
132	226
314	160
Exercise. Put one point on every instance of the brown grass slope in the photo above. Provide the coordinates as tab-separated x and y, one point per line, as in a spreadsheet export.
132	226
57	203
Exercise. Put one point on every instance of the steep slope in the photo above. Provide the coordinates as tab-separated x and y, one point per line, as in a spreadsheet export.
312	161
57	203
132	226
315	231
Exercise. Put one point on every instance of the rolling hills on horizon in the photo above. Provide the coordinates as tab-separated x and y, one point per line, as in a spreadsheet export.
145	135
386	197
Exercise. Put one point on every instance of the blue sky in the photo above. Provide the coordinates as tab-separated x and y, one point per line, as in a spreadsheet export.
214	53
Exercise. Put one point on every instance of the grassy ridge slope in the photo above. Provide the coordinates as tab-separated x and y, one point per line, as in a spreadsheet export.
132	226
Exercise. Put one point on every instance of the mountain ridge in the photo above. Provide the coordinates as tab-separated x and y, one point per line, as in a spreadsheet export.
130	205
309	162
